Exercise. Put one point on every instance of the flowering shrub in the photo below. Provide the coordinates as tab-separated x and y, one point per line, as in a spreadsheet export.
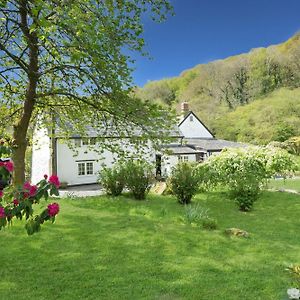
245	171
18	203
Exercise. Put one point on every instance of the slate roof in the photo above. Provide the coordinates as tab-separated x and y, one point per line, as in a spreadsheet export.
212	144
111	132
177	149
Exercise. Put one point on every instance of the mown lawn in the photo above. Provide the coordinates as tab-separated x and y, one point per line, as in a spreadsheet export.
105	248
290	183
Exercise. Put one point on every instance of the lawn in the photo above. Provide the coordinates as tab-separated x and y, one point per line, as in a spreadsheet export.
291	183
105	248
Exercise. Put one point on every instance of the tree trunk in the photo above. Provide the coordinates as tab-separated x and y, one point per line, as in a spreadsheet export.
20	137
21	128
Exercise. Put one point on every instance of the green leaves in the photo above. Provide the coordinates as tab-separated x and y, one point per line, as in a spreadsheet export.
245	171
184	182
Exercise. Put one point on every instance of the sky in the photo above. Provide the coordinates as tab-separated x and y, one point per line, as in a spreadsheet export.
205	30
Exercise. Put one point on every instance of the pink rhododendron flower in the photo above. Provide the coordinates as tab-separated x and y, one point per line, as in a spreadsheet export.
1	164
1	194
9	166
16	202
54	180
27	186
2	212
53	209
32	190
46	176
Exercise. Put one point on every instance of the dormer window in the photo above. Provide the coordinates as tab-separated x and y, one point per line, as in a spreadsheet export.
191	118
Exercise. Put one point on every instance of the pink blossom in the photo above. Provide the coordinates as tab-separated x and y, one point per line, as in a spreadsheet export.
46	176
32	190
1	193
2	164
53	209
27	186
54	180
9	165
2	212
16	202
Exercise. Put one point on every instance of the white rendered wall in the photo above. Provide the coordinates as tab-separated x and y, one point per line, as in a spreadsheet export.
41	155
194	129
169	161
67	162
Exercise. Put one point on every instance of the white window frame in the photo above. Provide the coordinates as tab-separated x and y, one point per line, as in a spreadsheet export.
85	142
183	158
89	167
87	170
77	142
81	169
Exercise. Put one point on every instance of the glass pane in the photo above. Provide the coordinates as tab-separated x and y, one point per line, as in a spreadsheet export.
89	168
77	142
81	169
93	141
85	141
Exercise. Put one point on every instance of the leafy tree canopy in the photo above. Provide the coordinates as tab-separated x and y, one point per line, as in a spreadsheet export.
68	58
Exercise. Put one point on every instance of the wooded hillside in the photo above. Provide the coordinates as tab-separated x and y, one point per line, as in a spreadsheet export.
253	97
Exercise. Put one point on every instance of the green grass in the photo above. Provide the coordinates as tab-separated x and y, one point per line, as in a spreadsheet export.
105	248
289	184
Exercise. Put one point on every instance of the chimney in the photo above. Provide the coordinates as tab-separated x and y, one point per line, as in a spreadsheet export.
184	108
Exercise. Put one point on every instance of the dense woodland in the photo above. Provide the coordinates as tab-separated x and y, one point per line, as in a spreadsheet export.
253	97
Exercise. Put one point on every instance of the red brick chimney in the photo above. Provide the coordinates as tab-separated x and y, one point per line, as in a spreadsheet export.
184	108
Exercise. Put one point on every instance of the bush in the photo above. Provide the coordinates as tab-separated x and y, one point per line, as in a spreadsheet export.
184	182
245	198
209	224
138	178
112	180
245	171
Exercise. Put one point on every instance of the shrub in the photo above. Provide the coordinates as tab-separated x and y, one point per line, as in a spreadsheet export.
138	178
209	224
112	180
244	197
184	182
245	171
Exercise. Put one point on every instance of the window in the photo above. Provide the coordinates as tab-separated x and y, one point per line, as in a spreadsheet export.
77	142
85	141
81	169
182	158
93	141
89	168
85	168
200	157
191	118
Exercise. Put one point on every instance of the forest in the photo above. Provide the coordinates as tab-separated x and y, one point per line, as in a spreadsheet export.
252	97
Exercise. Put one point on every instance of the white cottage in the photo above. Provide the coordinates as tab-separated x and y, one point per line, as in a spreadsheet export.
192	141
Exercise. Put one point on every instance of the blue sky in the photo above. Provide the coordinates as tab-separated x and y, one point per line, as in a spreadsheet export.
206	30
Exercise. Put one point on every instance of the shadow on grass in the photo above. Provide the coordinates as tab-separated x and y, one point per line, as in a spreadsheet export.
103	248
